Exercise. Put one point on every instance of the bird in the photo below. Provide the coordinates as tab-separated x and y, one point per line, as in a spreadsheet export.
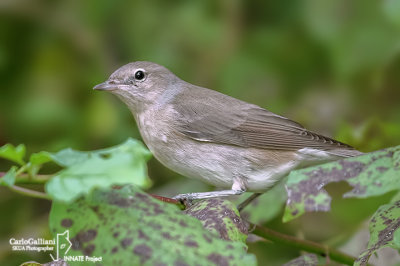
206	135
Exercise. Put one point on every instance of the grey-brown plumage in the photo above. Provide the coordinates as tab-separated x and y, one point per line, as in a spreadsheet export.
226	120
216	138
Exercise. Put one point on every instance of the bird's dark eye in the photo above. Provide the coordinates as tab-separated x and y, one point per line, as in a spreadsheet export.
139	75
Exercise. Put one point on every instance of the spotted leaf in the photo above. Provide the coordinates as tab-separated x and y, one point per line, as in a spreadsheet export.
371	174
128	227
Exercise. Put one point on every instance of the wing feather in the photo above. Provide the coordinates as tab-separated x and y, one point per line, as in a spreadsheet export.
247	125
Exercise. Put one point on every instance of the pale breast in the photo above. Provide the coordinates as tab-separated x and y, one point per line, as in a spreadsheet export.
211	163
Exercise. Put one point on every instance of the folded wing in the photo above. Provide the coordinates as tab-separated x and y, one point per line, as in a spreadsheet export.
248	125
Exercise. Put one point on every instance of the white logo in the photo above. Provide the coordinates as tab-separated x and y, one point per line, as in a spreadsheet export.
32	244
61	245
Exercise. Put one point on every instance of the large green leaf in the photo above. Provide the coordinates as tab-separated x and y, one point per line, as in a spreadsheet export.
123	164
128	227
12	153
383	230
371	174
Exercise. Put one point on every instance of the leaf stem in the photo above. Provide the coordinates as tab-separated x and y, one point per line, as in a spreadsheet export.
27	179
302	244
30	192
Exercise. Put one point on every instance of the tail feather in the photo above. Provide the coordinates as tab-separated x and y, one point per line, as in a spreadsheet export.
345	152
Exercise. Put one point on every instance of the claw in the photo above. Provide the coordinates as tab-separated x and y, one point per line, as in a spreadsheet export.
185	199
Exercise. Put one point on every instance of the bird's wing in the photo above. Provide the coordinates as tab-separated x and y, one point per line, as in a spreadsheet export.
248	125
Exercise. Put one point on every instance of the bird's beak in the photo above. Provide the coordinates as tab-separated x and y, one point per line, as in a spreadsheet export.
106	86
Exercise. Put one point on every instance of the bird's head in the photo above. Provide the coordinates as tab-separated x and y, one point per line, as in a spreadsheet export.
140	84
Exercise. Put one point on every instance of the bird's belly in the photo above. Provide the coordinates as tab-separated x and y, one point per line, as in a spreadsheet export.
220	165
216	164
182	155
211	163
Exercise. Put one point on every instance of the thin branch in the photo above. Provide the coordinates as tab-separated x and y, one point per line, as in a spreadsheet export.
302	244
164	199
245	203
27	179
37	179
170	201
30	192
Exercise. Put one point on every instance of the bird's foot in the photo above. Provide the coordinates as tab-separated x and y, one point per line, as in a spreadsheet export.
185	199
188	198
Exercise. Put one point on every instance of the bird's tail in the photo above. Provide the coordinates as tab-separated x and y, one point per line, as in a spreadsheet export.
345	152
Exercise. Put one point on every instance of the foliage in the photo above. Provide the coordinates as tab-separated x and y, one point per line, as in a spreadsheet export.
96	196
123	164
15	154
372	174
9	178
220	217
383	230
83	171
128	227
123	224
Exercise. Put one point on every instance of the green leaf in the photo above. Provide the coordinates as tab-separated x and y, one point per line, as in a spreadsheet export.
392	11
40	158
123	164
36	160
383	229
129	227
70	157
371	174
12	153
9	178
221	217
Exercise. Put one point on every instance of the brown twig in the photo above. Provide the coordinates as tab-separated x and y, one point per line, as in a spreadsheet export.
302	244
164	199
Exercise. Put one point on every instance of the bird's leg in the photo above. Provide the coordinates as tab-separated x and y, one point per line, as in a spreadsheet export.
238	188
243	205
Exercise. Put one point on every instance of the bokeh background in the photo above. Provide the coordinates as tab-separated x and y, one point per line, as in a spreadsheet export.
333	66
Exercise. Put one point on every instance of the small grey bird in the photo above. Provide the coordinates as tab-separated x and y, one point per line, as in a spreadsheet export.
207	135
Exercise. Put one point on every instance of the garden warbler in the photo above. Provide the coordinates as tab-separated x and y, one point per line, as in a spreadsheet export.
203	134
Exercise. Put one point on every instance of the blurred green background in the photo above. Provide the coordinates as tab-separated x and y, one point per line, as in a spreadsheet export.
333	66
